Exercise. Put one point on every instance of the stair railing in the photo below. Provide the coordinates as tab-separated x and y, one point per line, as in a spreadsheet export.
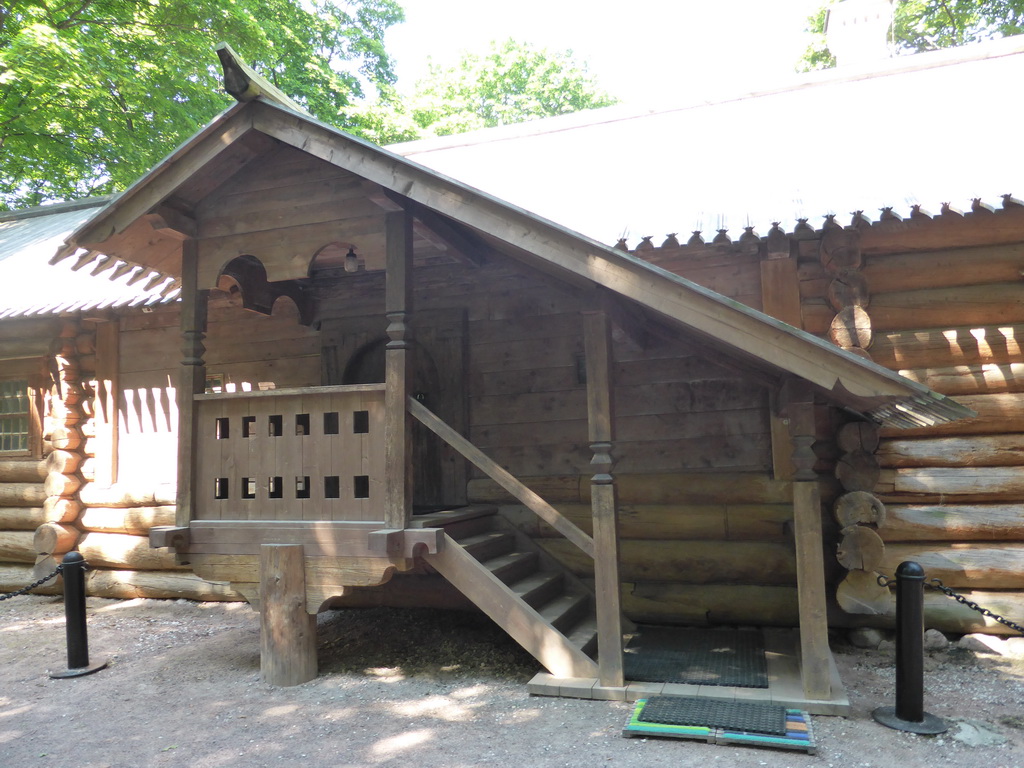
502	477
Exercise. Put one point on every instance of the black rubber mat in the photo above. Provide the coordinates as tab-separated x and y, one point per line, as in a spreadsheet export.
715	713
728	657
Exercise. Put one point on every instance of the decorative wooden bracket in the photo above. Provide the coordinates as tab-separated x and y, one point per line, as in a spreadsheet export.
171	536
406	542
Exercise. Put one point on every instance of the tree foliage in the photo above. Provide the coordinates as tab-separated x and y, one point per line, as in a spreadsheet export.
511	83
85	81
927	25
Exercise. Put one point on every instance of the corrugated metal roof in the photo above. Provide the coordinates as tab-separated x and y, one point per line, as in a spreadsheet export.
920	130
30	286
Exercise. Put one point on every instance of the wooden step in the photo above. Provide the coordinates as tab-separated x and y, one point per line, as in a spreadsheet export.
565	611
513	566
584	635
488	545
539	588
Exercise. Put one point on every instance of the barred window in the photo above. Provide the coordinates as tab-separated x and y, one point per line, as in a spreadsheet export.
14	416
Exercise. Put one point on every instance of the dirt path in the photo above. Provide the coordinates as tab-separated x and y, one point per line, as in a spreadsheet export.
413	687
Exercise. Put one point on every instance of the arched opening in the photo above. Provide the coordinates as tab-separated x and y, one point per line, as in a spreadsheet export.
367	366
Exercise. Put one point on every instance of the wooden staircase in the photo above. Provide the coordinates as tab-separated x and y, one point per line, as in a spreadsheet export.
542	606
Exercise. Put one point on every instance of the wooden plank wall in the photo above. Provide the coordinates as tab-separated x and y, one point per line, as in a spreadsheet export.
702	520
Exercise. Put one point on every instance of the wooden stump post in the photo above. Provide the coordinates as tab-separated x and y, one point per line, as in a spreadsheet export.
287	631
810	562
597	340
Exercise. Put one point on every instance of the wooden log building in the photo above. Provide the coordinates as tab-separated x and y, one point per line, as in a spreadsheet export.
397	382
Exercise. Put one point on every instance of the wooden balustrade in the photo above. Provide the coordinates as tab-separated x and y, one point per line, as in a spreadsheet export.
311	453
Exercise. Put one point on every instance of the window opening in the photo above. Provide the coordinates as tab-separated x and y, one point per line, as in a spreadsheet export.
360	422
223	429
248	426
332	487
14	416
302	424
361	487
331	423
275	487
302	487
275	426
220	488
248	487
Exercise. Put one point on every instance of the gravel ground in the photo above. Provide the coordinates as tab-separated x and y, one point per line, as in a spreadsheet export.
435	689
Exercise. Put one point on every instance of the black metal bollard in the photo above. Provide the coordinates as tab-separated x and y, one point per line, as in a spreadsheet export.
74	619
909	714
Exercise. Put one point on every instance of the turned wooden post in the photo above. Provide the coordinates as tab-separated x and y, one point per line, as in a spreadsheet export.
798	408
597	344
398	372
191	377
287	630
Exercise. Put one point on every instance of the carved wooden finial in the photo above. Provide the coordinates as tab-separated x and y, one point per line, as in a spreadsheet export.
646	244
888	214
1009	201
917	212
722	238
777	244
695	238
949	210
671	241
621	245
979	206
245	84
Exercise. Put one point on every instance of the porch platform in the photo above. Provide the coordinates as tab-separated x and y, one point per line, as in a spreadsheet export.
784	684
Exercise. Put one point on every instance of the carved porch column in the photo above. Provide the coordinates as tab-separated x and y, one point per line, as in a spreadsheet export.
398	372
191	377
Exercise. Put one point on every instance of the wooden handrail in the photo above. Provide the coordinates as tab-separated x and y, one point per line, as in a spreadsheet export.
502	477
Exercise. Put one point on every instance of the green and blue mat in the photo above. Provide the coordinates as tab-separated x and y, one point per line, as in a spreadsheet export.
719	721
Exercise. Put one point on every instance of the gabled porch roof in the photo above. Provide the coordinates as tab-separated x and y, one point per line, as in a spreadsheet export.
148	222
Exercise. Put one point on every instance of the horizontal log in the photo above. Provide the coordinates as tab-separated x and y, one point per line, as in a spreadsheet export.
710	604
15	577
709	522
857	436
22	494
943	613
119	551
125	495
942	522
157	584
938	347
55	538
689	488
929	484
970	379
692	562
61	485
63	462
58	510
134	520
66	438
971	451
860	549
972	305
17	547
22	470
23	518
977	566
997	414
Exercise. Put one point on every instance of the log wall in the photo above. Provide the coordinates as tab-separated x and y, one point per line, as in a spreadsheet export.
938	300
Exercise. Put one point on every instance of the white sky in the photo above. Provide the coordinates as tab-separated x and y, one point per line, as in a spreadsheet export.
641	51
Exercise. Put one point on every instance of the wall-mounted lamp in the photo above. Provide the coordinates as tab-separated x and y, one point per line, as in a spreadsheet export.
351	261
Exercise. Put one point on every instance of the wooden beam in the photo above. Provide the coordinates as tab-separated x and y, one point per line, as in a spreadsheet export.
798	407
173	222
191	379
600	418
398	470
440	230
287	629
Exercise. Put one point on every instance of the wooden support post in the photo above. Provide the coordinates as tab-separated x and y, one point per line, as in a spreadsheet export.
398	372
287	630
780	298
597	341
191	378
798	404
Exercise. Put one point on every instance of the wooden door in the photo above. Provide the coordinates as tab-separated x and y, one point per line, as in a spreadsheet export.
352	352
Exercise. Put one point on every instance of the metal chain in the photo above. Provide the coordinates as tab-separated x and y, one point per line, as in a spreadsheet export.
33	585
938	585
